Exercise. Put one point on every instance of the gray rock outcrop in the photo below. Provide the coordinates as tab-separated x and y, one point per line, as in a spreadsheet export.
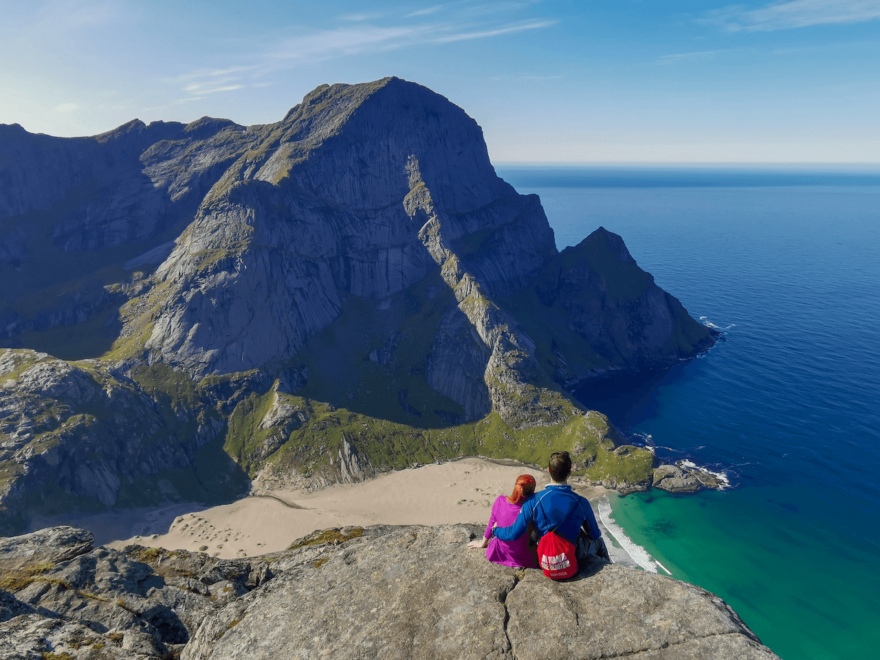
685	477
675	480
376	592
86	432
60	595
354	230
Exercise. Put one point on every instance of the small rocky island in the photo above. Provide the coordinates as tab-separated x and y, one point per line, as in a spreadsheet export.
374	592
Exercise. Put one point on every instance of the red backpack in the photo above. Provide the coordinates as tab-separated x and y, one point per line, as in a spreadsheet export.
555	554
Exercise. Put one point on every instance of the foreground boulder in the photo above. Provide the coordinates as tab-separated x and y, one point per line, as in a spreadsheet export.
60	595
376	592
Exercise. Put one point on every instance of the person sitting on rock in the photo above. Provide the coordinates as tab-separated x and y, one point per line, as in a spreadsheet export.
505	511
558	508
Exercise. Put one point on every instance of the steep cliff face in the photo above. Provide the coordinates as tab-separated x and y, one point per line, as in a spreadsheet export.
89	436
79	215
595	310
375	592
314	211
349	290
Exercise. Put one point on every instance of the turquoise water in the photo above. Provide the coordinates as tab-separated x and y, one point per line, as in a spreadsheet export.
787	404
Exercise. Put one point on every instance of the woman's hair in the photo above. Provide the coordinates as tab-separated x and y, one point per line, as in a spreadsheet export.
525	486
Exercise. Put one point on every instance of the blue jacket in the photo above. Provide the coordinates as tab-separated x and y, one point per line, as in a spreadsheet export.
547	509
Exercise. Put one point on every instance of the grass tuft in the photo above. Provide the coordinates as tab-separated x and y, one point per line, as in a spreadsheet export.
329	536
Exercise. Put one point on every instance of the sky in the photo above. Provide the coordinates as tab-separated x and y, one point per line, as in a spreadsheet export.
553	81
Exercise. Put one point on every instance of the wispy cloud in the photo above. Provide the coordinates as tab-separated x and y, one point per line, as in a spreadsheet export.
225	72
789	14
346	40
359	18
174	103
65	107
341	41
211	87
471	9
425	12
355	40
483	34
674	58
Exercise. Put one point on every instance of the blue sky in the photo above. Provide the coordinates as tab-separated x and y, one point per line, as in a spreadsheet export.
551	81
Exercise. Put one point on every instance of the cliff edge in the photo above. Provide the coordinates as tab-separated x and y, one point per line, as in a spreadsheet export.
375	592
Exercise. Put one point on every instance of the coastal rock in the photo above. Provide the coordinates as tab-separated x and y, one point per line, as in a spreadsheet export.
676	480
352	226
458	363
32	636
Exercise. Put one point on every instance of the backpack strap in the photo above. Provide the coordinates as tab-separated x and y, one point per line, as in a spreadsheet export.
577	502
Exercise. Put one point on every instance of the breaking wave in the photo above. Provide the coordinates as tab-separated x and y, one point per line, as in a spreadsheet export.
720	475
636	552
705	321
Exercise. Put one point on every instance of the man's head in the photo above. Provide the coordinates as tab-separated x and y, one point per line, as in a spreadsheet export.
560	466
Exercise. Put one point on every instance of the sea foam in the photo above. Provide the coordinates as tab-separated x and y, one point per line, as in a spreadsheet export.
705	320
721	476
636	552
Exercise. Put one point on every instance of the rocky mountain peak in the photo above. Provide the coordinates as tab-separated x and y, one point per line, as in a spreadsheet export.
356	273
337	179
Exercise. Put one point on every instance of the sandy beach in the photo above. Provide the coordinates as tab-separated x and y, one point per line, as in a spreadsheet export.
460	491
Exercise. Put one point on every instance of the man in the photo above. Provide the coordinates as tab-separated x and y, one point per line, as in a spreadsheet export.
559	508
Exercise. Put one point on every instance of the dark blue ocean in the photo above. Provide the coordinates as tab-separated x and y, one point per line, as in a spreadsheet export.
787	262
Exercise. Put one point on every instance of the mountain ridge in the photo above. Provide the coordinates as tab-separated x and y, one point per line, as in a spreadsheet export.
349	290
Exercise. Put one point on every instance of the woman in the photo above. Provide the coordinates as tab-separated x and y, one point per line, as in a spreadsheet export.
504	512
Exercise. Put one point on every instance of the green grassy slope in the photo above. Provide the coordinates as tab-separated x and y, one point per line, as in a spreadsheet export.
390	415
388	445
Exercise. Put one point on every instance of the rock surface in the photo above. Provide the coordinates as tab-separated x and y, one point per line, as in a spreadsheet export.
376	592
675	480
60	595
685	477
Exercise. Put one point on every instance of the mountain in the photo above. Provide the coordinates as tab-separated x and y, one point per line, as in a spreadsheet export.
350	290
374	592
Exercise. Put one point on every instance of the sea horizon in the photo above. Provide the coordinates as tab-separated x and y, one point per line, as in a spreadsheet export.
785	263
672	164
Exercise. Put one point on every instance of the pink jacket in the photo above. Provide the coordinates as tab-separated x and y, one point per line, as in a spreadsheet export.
508	553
